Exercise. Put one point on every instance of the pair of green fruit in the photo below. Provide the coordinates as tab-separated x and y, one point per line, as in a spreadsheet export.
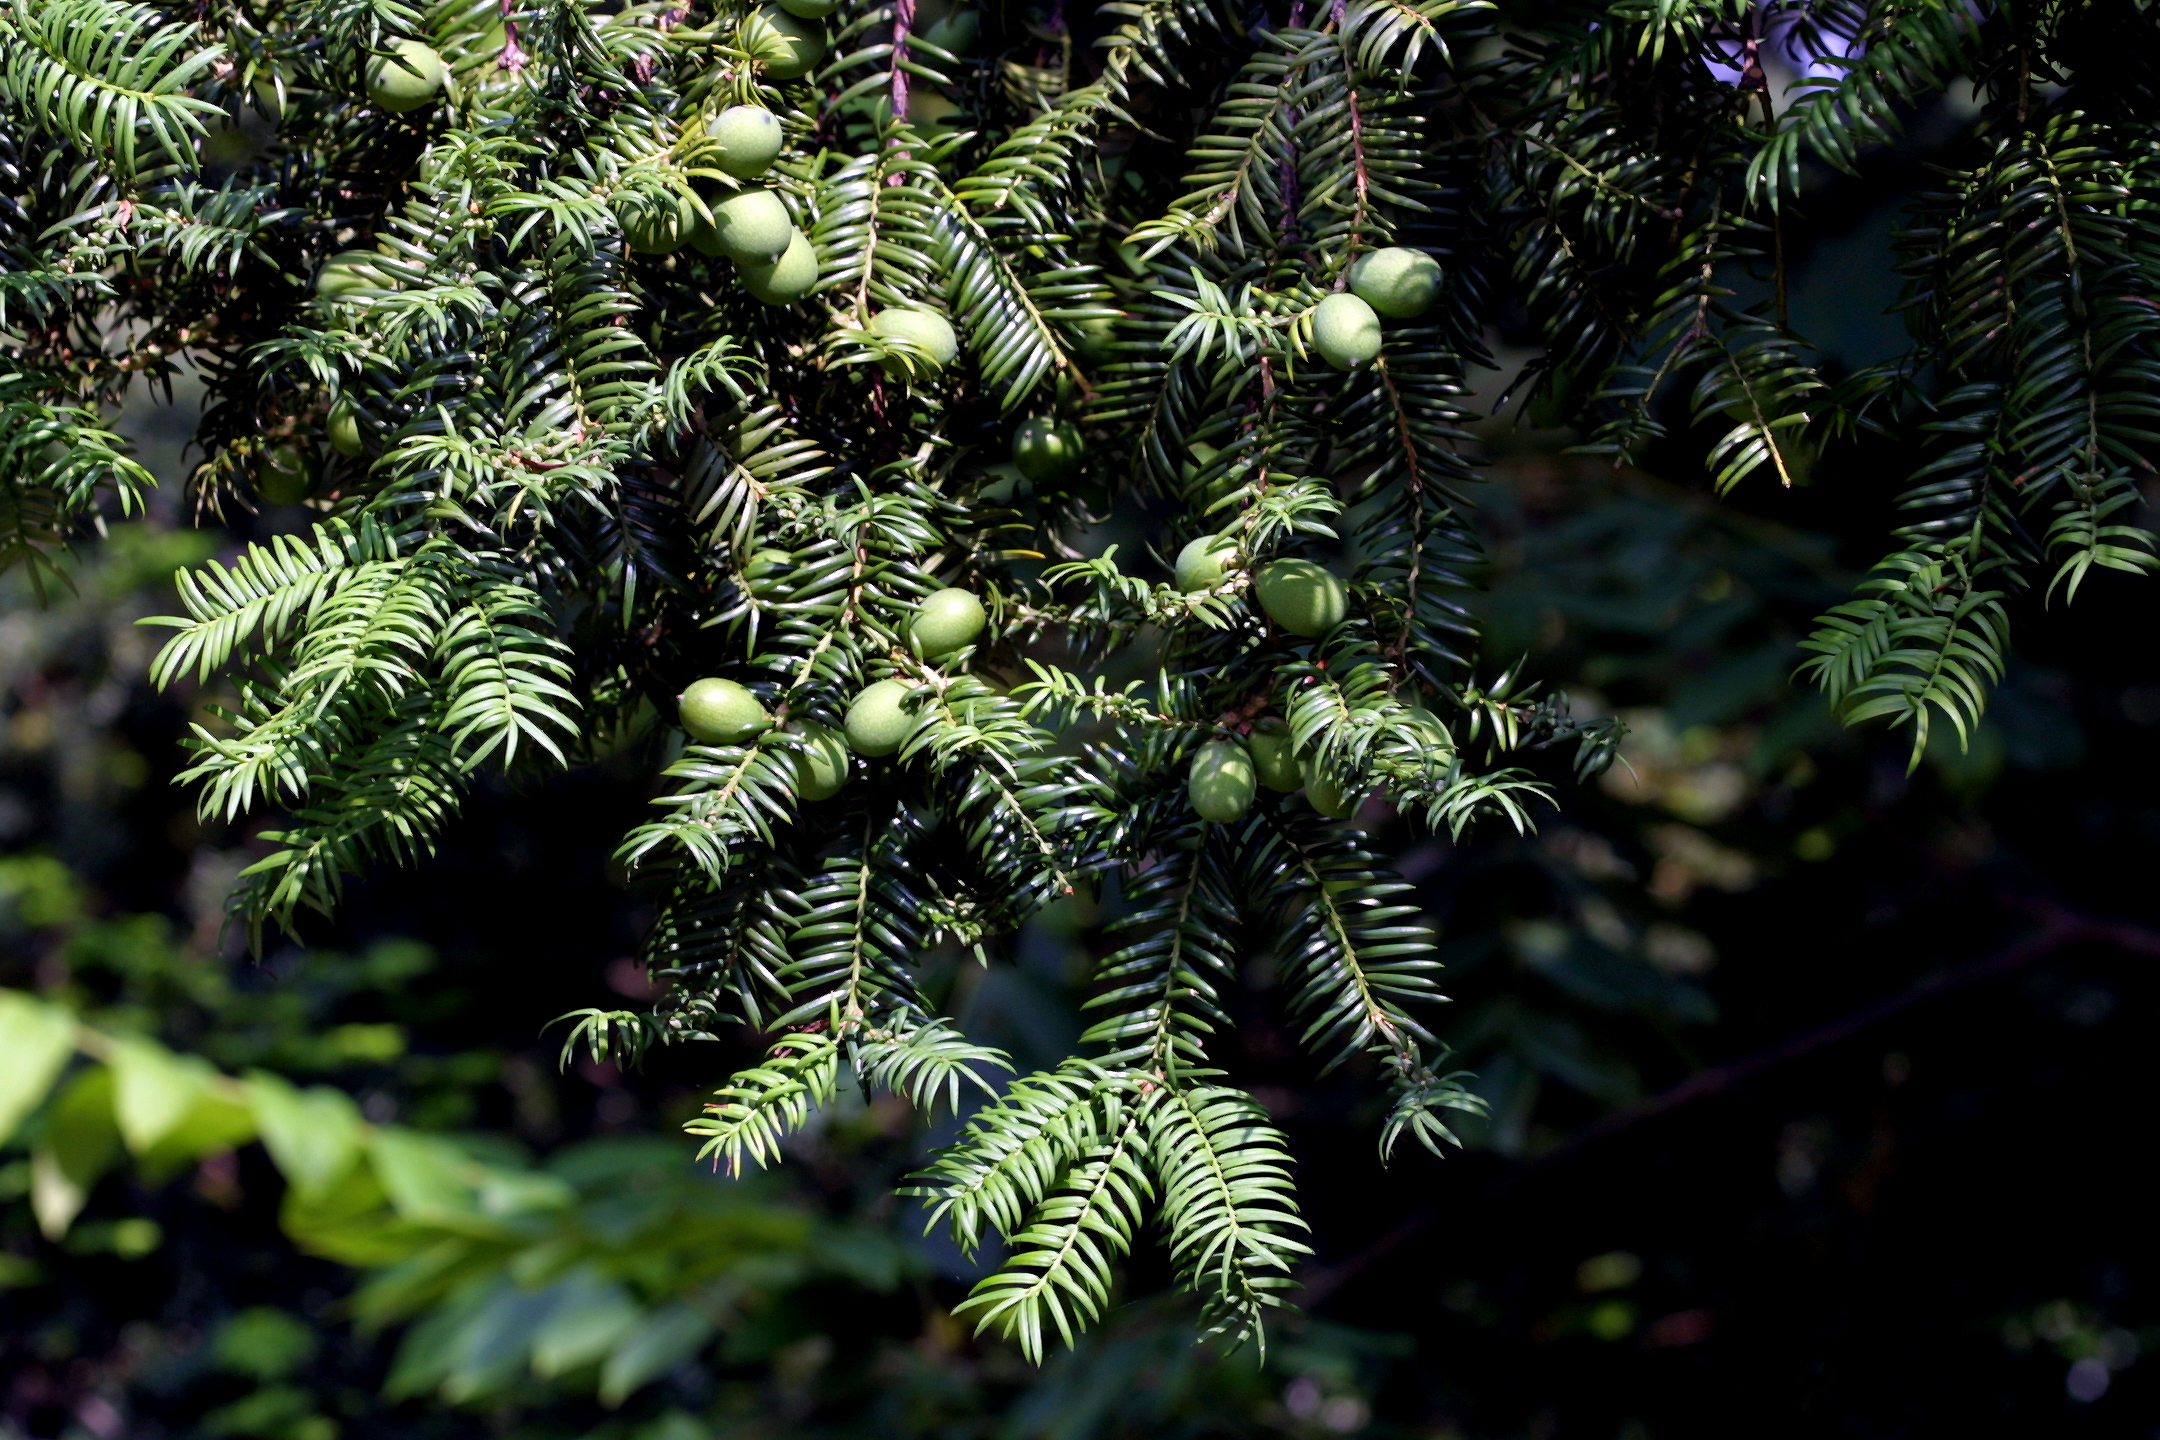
1303	598
1398	283
721	712
1225	775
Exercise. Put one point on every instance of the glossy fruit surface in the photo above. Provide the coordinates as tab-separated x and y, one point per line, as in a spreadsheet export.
787	279
1345	331
876	723
1221	783
721	712
342	429
288	474
1202	564
822	767
931	332
350	272
1273	760
1326	796
1398	283
1046	450
786	46
1302	597
750	138
946	620
406	78
752	226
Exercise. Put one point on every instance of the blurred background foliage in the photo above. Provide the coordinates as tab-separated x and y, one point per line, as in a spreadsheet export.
1817	1088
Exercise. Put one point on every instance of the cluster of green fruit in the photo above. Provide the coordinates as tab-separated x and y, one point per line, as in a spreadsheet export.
751	227
1398	283
1308	601
1303	598
721	712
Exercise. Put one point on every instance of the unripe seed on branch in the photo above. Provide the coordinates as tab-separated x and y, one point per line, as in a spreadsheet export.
656	225
752	227
1220	783
787	279
1202	564
1327	797
1398	283
288	474
721	712
750	138
876	722
1302	597
1274	762
1345	331
1046	450
406	78
947	620
822	767
343	429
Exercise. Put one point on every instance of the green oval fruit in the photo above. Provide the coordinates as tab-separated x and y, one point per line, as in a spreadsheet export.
288	474
1204	563
1345	331
348	273
1220	783
947	620
1398	283
1046	450
1273	759
876	723
787	46
752	227
343	429
657	225
822	767
956	34
721	712
766	566
1327	797
1302	597
749	137
406	78
786	279
810	9
931	333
